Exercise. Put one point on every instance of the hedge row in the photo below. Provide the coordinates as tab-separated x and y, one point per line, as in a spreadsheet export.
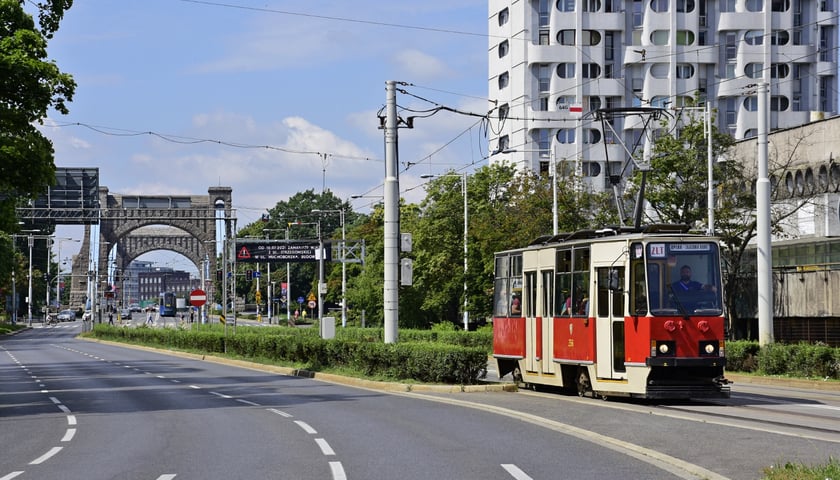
795	360
422	361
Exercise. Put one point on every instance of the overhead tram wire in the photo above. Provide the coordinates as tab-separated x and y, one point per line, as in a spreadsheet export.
182	140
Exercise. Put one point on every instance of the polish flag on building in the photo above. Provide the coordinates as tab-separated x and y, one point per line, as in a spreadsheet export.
576	109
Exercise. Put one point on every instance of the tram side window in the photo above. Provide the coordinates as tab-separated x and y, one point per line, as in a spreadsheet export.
638	286
507	287
530	293
563	282
580	282
547	291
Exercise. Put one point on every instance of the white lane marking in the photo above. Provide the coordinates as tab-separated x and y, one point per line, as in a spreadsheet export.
71	419
515	472
280	412
43	458
326	449
176	381
45	391
55	400
829	407
306	428
71	432
160	376
168	476
11	476
221	395
337	471
63	408
247	402
195	387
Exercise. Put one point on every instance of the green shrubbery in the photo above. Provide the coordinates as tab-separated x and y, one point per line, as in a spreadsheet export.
426	356
795	360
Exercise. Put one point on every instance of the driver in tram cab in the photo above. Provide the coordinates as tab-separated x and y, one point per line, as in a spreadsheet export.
686	284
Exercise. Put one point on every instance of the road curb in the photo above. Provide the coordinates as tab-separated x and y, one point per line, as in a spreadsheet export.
325	377
829	385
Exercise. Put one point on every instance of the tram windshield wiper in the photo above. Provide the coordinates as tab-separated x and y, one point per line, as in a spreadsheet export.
677	302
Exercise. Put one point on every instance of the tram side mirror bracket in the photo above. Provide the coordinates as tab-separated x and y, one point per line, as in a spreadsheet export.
613	280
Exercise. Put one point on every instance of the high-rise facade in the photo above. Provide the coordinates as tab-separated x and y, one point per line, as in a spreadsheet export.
554	62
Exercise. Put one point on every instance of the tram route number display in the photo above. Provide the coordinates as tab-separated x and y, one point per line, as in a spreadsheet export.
254	251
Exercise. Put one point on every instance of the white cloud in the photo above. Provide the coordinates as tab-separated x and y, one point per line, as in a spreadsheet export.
421	66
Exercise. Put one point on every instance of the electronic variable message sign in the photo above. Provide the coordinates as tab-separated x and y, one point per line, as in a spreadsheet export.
280	251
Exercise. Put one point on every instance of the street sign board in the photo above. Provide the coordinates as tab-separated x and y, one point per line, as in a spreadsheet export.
279	251
198	297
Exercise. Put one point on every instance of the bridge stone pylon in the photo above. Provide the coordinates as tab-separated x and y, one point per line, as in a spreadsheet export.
138	224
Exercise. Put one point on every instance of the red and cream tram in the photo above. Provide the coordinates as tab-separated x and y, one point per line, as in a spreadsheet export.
613	313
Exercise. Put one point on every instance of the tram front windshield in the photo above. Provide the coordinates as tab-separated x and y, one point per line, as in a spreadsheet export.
683	278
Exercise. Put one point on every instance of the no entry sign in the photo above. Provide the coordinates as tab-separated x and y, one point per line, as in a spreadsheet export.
198	297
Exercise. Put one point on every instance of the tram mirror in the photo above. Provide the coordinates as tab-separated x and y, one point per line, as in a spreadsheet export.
613	280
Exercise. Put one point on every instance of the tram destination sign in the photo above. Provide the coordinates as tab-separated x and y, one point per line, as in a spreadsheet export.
279	251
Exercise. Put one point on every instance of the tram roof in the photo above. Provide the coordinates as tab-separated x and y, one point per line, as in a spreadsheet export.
614	231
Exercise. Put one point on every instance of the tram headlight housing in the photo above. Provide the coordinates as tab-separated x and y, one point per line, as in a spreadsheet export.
710	348
663	348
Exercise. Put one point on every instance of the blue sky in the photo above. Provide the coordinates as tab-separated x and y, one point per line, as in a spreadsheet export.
305	76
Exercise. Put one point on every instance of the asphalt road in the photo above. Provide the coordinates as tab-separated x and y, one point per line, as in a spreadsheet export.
78	409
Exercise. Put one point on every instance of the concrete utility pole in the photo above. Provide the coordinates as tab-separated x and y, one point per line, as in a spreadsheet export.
392	216
762	200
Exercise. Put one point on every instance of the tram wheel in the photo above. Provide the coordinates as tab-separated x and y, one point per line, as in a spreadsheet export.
583	383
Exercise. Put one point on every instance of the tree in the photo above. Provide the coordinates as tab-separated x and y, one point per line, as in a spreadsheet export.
30	84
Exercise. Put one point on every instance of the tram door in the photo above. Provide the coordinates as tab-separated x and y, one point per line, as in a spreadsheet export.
609	320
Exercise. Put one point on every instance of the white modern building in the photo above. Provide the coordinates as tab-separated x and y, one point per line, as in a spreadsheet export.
552	63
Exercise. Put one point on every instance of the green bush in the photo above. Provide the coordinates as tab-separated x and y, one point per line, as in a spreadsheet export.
450	360
742	356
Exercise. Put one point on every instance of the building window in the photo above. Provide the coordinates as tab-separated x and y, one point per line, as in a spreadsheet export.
566	135
566	5
566	70
659	37
637	14
755	5
544	140
779	70
545	36
591	70
566	37
685	37
564	101
780	5
504	143
685	6
685	70
591	5
544	77
659	70
779	103
727	6
591	135
779	37
588	37
753	70
591	169
659	6
504	48
659	101
504	16
754	37
542	105
751	104
592	103
504	111
545	14
504	80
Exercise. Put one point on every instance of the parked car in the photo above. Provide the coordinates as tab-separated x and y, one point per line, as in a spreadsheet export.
66	316
125	313
135	307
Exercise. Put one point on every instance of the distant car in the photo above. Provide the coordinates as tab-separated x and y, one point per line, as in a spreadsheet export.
66	316
135	307
125	313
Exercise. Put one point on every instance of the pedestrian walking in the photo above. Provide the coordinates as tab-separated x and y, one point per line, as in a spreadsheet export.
149	318
110	318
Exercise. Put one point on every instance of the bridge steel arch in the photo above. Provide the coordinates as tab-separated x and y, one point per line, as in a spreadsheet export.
125	223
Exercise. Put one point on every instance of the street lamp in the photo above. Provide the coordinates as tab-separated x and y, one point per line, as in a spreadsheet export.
466	225
343	265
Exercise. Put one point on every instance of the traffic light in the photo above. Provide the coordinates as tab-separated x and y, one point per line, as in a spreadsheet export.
249	274
218	275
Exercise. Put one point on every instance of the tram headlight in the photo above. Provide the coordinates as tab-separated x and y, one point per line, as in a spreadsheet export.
709	348
665	348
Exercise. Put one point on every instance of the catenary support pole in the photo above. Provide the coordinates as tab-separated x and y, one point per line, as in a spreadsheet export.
392	216
762	200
